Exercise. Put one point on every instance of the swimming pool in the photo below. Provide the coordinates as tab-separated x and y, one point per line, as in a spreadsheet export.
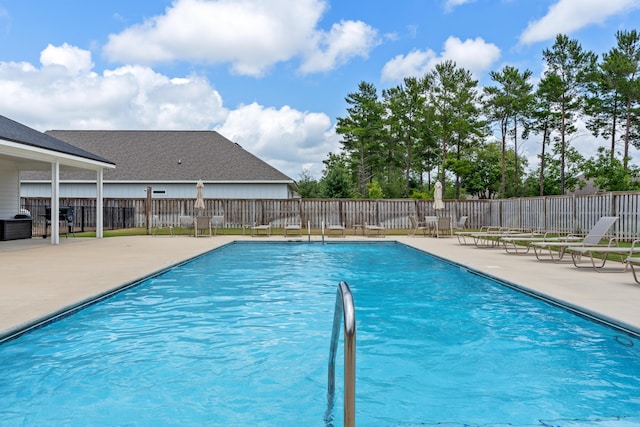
241	337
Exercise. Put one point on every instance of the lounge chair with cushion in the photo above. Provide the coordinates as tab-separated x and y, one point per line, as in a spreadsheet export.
593	238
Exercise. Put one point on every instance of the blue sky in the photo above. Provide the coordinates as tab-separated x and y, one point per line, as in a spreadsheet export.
270	75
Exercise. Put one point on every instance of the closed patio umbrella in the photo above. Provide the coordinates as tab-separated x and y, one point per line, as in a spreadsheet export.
199	205
437	197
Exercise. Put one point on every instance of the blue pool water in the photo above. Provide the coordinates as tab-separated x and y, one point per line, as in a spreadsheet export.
241	337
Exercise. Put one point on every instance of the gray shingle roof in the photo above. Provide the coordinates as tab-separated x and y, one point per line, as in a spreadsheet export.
15	132
171	156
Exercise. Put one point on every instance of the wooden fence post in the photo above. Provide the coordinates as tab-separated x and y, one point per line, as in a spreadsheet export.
148	210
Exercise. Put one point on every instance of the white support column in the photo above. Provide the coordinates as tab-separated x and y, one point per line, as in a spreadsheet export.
99	206
55	203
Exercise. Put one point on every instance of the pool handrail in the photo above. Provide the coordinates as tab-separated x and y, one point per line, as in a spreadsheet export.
344	308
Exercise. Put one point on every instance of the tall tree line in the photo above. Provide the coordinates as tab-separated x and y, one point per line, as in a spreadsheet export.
442	126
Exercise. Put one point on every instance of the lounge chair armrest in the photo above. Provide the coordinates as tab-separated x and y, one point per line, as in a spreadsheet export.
613	242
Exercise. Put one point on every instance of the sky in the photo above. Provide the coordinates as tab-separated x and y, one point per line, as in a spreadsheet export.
271	75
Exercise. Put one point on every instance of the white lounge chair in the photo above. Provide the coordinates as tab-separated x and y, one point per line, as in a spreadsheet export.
336	230
489	236
464	237
593	238
379	229
293	229
257	228
624	253
521	245
633	262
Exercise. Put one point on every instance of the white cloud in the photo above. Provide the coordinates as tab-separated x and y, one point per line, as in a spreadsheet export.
285	138
250	35
415	64
64	93
449	5
475	55
345	40
71	58
566	16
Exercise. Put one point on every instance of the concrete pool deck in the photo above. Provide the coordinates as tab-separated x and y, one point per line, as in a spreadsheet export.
38	279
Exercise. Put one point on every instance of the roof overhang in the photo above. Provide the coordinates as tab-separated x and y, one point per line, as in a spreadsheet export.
146	182
30	158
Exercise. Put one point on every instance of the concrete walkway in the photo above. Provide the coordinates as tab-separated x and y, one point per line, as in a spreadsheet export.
39	279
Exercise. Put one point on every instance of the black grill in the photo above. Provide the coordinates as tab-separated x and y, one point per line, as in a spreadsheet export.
65	214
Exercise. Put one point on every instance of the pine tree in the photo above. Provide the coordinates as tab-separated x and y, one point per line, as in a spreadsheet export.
572	65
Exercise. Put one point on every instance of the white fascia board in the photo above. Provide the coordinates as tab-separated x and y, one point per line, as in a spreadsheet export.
43	155
78	181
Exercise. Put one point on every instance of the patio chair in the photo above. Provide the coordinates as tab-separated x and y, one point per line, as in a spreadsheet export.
443	226
185	222
431	221
217	221
417	225
593	238
601	253
202	226
336	230
379	229
461	223
159	225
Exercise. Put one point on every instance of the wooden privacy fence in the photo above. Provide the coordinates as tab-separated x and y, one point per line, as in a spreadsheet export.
566	214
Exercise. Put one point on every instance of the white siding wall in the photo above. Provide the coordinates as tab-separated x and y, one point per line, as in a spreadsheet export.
9	190
160	191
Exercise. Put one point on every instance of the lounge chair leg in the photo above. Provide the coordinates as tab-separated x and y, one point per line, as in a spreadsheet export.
633	270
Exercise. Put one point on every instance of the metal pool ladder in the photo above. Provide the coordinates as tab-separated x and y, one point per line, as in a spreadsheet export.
344	306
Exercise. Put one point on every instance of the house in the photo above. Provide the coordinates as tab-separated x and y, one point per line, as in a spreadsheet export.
25	150
170	162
